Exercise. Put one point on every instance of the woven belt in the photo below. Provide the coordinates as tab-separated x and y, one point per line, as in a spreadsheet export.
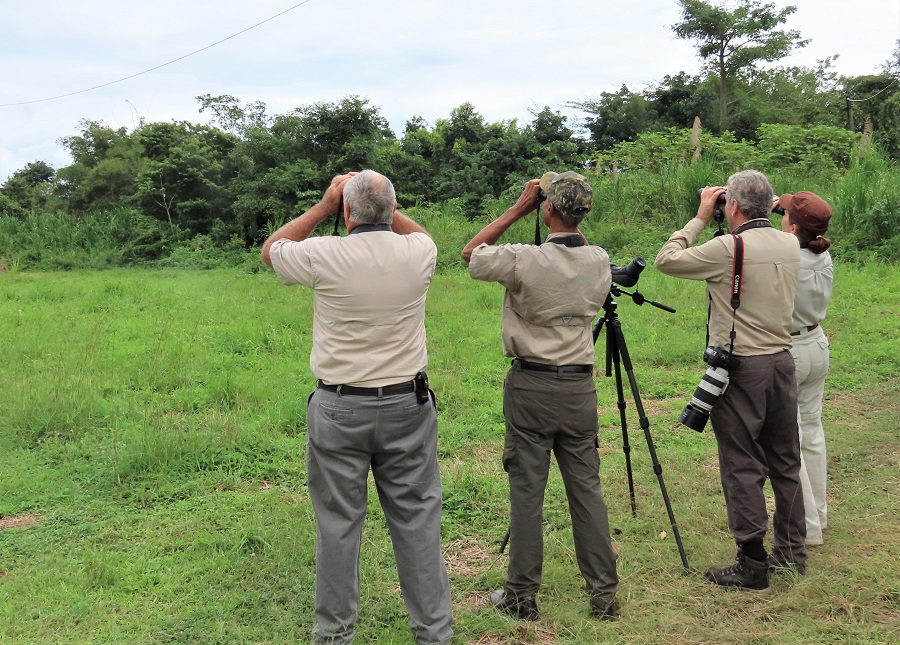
810	328
558	369
387	390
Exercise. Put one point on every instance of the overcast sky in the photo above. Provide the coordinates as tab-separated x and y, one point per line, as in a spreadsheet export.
407	57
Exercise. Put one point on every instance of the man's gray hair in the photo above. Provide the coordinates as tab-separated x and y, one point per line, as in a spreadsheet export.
753	191
371	198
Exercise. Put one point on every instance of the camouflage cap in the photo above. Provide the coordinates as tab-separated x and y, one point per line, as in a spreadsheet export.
569	192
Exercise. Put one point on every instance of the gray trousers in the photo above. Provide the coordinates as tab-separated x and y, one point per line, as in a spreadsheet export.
755	423
548	412
397	437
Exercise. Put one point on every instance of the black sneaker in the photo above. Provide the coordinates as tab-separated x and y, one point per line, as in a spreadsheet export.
604	609
747	574
521	607
777	565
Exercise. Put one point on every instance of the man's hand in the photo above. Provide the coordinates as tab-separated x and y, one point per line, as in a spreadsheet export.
708	198
300	228
332	197
529	199
527	202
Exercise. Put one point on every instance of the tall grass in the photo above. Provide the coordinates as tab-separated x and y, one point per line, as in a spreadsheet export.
867	208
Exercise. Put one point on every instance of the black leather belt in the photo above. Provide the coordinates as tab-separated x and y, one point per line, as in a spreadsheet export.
810	328
397	388
558	369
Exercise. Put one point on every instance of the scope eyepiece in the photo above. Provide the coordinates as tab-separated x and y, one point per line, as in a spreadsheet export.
628	275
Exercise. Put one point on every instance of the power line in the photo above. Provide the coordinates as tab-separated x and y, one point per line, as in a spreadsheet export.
890	85
147	71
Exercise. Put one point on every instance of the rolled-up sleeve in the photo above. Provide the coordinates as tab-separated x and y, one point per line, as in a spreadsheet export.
494	264
292	261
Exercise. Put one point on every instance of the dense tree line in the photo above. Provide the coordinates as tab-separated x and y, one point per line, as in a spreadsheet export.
246	172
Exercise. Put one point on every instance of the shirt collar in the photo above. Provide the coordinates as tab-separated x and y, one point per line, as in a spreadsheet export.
368	228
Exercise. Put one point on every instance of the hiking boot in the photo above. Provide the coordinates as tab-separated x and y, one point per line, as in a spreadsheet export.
520	607
777	565
747	574
604	609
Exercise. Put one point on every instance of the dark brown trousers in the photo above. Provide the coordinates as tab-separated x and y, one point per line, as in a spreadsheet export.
755	423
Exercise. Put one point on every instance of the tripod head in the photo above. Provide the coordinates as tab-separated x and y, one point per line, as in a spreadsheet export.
626	276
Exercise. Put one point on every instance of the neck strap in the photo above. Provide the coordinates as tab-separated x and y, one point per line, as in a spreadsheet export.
736	283
573	240
754	223
368	228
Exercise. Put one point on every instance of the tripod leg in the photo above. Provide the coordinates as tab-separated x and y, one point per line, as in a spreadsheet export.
612	355
645	425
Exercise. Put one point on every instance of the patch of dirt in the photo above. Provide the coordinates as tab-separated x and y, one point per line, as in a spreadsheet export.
468	559
475	599
653	408
521	635
21	522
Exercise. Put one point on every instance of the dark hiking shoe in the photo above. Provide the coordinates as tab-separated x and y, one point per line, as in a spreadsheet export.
777	565
604	609
746	574
521	607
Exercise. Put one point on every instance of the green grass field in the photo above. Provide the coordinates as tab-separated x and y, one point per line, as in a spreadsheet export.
153	486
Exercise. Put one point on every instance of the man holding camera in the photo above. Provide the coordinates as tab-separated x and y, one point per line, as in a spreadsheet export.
553	293
372	407
755	419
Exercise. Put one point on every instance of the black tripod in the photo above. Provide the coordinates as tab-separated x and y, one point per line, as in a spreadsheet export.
616	355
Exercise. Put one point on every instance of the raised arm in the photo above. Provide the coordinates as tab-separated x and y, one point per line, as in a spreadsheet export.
403	225
301	227
527	202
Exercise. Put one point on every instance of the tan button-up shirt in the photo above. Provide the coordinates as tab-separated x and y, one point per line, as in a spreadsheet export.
553	293
369	303
771	264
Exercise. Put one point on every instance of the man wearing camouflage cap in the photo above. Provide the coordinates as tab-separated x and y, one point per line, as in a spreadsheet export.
553	292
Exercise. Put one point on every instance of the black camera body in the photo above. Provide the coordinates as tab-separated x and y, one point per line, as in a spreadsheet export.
719	357
712	386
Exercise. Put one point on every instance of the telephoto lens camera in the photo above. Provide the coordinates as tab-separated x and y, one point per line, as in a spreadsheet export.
712	385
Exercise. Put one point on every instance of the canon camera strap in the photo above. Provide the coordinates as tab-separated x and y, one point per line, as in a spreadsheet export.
736	282
736	275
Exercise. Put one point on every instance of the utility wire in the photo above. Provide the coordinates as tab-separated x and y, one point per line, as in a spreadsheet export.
146	71
890	85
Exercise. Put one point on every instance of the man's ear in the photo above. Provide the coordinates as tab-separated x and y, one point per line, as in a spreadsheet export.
347	222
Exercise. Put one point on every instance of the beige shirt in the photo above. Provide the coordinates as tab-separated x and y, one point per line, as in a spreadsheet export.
813	289
771	264
369	303
553	293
